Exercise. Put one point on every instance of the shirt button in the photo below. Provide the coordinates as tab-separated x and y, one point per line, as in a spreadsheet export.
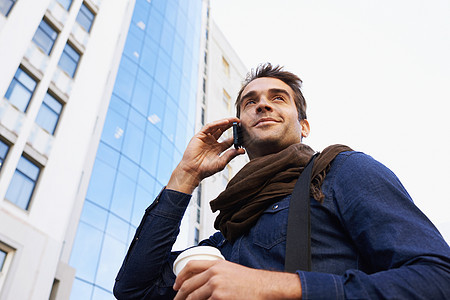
275	206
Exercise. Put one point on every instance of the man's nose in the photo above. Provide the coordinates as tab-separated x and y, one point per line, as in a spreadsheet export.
263	105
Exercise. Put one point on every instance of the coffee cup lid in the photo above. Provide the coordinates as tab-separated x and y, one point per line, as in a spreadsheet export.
198	250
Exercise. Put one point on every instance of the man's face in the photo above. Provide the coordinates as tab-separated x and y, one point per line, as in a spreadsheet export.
269	117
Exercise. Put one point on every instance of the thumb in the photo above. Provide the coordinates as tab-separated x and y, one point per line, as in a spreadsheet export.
228	155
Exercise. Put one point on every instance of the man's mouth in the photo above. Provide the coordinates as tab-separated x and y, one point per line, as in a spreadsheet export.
266	120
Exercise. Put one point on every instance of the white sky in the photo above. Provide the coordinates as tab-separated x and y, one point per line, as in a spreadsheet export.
376	77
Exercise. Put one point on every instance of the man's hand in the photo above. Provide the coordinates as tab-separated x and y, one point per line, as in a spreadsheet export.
202	157
221	279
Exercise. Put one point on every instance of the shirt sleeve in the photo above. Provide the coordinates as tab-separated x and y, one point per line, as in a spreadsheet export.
146	272
407	258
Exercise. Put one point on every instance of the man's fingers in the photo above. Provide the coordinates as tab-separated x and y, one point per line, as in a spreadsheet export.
223	124
228	155
191	269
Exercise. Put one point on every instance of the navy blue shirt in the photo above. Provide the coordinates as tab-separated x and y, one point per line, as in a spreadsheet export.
368	240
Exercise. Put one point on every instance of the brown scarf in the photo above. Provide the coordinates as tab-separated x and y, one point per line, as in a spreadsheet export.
263	181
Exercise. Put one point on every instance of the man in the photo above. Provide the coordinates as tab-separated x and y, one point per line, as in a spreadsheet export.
368	240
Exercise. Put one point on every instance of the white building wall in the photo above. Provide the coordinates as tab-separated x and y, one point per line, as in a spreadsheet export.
37	235
219	81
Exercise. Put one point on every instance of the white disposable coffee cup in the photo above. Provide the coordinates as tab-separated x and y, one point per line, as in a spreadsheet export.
195	253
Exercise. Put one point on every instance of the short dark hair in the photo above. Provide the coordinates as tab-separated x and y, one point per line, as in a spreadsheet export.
292	80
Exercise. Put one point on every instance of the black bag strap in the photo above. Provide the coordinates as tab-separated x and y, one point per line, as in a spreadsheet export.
298	239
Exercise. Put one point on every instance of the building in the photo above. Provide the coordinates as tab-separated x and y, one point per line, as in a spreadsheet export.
98	101
60	60
58	70
222	77
150	119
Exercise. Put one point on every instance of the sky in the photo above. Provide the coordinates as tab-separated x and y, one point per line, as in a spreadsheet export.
376	77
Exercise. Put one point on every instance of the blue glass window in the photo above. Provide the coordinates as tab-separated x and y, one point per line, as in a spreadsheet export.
3	151
2	259
85	17
81	289
6	5
23	183
45	37
69	60
141	202
49	112
20	90
101	184
65	3
86	251
111	258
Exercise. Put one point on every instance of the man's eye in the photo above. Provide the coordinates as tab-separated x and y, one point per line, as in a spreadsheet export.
249	102
280	98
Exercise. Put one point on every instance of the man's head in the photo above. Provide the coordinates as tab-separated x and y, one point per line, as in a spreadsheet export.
272	111
292	80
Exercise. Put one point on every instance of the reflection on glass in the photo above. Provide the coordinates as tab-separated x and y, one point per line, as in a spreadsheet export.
101	184
142	200
123	194
86	251
94	215
128	168
111	258
149	161
132	146
117	228
112	133
81	290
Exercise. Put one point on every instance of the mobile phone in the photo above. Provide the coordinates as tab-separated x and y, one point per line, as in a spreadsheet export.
237	135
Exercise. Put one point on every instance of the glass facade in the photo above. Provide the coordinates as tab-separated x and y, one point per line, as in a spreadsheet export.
150	119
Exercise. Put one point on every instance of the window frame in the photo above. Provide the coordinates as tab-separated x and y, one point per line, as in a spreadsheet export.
49	108
15	79
7	11
7	262
67	55
51	26
26	176
2	159
69	5
84	10
226	66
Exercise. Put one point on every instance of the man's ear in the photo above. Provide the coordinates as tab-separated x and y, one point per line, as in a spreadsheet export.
305	128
